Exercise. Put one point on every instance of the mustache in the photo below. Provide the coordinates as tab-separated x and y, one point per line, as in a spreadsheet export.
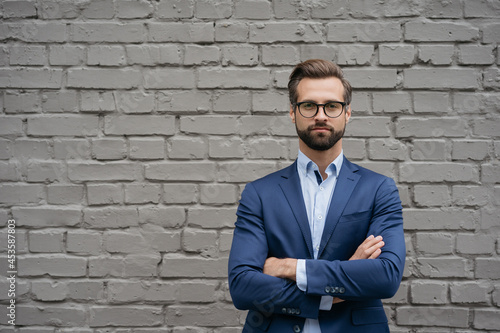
320	125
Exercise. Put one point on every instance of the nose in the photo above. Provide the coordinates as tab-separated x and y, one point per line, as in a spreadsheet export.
321	115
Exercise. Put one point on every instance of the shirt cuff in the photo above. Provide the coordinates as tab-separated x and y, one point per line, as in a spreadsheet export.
300	275
326	303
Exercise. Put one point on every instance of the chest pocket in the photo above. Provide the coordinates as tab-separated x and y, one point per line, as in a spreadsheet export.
356	217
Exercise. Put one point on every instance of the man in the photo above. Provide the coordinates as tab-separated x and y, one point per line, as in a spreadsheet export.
319	243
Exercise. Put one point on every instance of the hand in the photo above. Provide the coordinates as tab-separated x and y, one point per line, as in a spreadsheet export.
369	249
282	268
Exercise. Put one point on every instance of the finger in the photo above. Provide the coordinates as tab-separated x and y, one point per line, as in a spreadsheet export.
370	241
375	254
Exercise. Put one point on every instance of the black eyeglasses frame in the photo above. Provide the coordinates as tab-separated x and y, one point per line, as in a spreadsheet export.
297	105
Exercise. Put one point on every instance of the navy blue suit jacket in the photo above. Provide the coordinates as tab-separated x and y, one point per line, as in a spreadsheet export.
272	222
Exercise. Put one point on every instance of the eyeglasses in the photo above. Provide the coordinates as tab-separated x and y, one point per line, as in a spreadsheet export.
331	109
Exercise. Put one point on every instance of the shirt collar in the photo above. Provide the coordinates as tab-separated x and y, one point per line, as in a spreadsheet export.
305	165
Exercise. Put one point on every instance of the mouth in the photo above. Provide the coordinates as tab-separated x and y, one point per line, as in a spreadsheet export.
320	129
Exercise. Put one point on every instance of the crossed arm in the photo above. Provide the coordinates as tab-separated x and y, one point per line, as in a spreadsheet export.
287	267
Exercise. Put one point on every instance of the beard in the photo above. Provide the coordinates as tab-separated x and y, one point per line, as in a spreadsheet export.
320	141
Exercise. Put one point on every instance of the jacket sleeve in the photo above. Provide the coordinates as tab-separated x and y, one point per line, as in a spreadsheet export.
367	278
250	288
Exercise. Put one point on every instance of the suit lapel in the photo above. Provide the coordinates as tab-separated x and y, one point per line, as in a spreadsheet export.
346	182
290	185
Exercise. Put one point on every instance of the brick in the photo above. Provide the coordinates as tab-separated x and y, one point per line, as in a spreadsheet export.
241	55
280	55
434	243
192	267
5	149
206	9
486	319
466	195
231	31
60	101
269	101
330	9
490	173
384	149
109	149
181	32
152	55
71	125
444	267
104	316
436	54
438	172
441	78
432	195
45	171
430	127
187	148
28	55
66	55
49	291
37	32
139	125
390	102
233	101
109	55
354	148
469	292
83	242
27	78
68	315
429	292
368	127
188	101
146	148
55	265
129	32
48	241
211	217
141	265
200	241
11	171
207	316
168	78
134	102
440	219
106	266
57	10
85	290
180	193
285	32
174	9
201	55
125	292
109	78
395	54
93	101
483	128
218	194
435	102
134	9
167	217
238	172
491	33
266	149
361	103
110	217
142	193
363	32
96	171
489	217
180	171
491	78
487	268
427	31
450	9
474	102
429	150
476	54
21	193
11	126
22	102
15	9
432	316
482	8
290	10
69	149
102	194
475	244
234	78
100	9
354	54
137	241
48	216
218	125
328	52
371	78
252	10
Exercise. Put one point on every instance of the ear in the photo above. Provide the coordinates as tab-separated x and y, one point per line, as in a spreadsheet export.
347	113
292	113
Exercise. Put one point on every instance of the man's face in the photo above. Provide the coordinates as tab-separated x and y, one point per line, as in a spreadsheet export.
320	132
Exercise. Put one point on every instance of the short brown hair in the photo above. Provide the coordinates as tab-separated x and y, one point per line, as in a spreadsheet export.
317	69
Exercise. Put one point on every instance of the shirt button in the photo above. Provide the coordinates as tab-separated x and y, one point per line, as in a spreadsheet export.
296	328
321	188
320	217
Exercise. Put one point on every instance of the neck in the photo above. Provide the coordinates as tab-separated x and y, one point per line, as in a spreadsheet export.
322	158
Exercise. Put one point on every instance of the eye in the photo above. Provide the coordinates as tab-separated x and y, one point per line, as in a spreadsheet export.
308	106
334	106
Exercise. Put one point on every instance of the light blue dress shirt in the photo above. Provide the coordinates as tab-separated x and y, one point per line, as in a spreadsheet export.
317	196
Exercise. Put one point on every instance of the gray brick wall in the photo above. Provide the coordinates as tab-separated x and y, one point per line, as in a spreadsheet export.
129	128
